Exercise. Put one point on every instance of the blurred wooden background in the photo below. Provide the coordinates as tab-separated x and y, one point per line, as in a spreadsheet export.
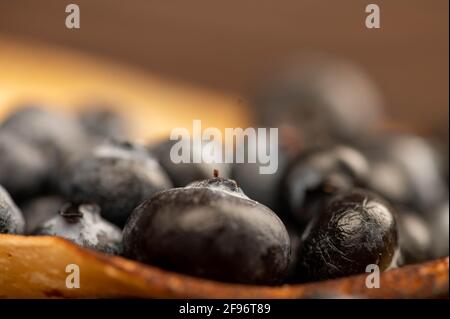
232	45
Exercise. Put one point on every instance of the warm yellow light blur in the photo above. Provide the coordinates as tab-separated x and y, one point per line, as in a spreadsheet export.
64	80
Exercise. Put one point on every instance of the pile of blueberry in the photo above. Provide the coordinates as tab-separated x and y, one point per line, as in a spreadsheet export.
341	200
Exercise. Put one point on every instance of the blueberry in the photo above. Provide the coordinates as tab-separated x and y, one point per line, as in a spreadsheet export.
182	174
210	229
83	225
24	170
354	230
318	175
295	239
415	237
11	219
102	123
263	187
116	176
405	170
439	221
40	210
323	99
390	179
57	137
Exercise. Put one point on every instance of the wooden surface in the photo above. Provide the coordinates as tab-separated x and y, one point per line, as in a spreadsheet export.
34	267
231	45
